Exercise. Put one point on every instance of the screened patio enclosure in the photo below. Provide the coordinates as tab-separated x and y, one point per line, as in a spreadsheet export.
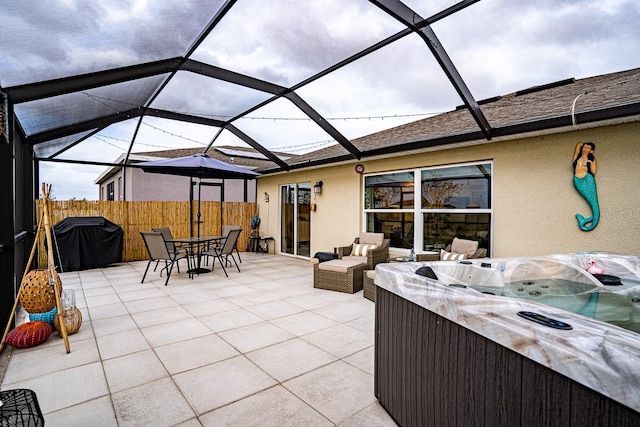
85	82
215	73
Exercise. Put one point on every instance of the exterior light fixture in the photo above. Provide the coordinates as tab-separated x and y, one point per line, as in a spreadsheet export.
317	189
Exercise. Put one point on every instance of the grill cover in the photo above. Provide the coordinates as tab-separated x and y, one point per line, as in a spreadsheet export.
87	242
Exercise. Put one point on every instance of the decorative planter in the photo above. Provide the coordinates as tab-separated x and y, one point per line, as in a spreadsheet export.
68	299
38	292
72	320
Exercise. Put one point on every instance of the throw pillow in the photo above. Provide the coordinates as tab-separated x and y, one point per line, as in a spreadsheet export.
48	316
451	256
29	334
361	250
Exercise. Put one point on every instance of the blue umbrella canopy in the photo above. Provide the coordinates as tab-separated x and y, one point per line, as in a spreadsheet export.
198	166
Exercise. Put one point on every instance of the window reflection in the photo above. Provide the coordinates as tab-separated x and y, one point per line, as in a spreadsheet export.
389	191
396	226
459	187
440	228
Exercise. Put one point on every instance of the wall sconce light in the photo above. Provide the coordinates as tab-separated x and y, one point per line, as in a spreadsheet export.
317	189
266	197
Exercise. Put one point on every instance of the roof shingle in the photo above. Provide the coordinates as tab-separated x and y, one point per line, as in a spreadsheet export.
533	105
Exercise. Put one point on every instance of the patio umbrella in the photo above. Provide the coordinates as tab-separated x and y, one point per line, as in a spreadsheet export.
198	166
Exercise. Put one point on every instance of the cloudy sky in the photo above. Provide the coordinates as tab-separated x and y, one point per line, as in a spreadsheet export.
498	46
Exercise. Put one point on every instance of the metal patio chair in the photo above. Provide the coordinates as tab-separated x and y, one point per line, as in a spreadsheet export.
171	246
158	251
225	250
225	233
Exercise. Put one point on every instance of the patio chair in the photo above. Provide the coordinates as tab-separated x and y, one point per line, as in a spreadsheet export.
157	249
171	247
368	248
462	248
225	233
220	243
225	250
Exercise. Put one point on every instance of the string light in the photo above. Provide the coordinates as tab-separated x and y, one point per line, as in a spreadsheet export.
294	148
103	100
99	138
291	149
382	117
174	135
304	147
102	138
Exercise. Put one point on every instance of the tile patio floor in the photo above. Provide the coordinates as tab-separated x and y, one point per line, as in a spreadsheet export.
260	348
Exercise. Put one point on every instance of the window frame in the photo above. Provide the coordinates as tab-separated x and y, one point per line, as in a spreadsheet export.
418	211
111	194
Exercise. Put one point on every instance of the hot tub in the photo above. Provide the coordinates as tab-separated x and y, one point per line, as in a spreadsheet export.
464	345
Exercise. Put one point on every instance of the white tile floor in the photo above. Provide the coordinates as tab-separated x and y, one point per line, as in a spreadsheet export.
260	348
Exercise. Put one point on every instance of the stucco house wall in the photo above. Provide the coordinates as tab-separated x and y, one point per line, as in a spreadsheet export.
534	201
144	186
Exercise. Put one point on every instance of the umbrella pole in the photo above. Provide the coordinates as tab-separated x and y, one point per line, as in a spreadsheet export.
191	206
199	269
199	195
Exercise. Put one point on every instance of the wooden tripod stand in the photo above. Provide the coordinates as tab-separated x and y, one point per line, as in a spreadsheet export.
44	224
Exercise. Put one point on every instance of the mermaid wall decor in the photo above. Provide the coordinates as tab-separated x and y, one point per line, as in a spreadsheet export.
584	171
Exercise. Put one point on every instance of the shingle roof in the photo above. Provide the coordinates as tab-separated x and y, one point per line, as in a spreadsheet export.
221	153
533	109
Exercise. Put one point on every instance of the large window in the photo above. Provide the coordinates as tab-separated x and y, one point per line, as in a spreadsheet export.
425	209
389	203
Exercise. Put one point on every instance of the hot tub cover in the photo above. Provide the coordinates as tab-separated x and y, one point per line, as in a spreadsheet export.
87	242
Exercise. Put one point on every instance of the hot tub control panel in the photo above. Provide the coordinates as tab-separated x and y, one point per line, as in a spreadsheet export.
544	320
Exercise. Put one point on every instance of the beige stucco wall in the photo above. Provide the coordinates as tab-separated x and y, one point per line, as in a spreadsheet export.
336	220
534	199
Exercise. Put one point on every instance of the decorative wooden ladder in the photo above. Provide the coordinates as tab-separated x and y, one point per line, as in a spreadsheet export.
44	224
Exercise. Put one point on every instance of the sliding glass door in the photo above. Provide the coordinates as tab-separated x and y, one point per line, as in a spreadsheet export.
295	219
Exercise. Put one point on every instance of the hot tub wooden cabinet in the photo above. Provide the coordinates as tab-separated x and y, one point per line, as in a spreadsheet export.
430	371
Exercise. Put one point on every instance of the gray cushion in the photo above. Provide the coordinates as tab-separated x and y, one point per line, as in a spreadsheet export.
358	259
339	265
371	238
462	246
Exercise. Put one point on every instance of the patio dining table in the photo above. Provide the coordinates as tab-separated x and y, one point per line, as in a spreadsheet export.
196	244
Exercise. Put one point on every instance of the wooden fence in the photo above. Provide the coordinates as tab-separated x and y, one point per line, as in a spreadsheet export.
135	217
